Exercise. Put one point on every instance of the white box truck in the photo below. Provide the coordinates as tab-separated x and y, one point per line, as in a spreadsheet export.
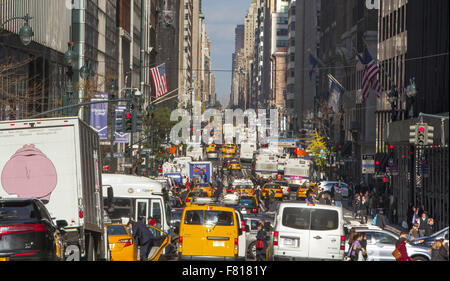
58	161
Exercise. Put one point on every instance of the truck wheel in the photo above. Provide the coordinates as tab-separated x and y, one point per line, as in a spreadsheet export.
251	250
419	258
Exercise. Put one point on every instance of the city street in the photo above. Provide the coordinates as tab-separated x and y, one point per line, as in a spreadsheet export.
238	130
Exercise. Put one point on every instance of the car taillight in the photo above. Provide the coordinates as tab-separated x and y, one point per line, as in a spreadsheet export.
253	210
188	200
80	214
21	228
26	254
275	238
243	225
343	243
128	242
289	189
180	242
236	243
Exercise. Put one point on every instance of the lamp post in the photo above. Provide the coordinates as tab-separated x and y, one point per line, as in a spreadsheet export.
113	87
411	93
26	32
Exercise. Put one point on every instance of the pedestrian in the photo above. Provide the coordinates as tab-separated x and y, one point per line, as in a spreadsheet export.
410	215
429	228
372	205
400	248
414	232
322	199
143	237
381	220
363	210
438	252
444	248
356	203
332	191
261	244
415	216
423	221
355	248
351	237
363	243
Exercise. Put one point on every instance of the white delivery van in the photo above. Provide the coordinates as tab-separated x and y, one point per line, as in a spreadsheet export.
266	165
136	197
308	232
195	151
247	150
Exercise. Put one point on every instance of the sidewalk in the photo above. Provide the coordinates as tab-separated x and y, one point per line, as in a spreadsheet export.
397	229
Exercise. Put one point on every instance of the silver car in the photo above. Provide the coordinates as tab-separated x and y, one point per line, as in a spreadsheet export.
381	243
341	187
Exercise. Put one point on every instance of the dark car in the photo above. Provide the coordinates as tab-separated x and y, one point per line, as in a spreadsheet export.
428	241
27	231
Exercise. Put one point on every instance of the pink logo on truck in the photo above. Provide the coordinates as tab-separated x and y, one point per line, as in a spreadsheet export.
29	173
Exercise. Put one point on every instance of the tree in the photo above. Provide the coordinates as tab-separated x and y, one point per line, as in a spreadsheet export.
316	145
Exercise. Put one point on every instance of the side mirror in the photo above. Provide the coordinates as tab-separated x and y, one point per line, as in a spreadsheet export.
61	223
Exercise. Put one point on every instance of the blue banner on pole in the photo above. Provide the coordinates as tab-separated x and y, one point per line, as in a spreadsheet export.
99	116
336	93
118	136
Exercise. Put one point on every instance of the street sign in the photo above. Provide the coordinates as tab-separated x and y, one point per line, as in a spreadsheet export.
368	164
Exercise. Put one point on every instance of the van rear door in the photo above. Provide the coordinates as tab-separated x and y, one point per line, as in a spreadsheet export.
193	233
221	232
294	233
325	236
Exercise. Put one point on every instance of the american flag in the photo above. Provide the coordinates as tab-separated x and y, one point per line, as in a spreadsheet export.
159	79
370	73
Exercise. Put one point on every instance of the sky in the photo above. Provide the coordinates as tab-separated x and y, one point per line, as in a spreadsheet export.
221	18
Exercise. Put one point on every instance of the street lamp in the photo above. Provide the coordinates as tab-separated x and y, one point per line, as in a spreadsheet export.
86	70
411	93
26	32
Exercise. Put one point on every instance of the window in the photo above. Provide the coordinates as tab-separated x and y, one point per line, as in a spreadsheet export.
17	211
324	219
194	217
142	211
298	218
219	218
156	211
117	230
384	238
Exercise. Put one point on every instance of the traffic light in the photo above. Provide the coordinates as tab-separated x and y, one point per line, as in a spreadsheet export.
429	135
420	132
136	122
127	123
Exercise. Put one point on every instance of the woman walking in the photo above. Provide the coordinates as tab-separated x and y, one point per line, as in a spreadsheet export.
261	244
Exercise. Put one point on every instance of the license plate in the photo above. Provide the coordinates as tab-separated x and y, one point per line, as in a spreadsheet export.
218	243
290	242
2	259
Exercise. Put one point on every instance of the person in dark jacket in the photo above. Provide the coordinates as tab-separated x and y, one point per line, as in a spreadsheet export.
261	236
401	246
381	221
429	227
363	210
143	238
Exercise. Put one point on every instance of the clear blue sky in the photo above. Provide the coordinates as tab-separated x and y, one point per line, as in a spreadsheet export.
221	18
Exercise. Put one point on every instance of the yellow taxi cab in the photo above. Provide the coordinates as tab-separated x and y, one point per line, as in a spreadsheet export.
160	241
206	187
301	191
121	243
226	158
244	190
208	233
229	149
234	165
275	188
211	148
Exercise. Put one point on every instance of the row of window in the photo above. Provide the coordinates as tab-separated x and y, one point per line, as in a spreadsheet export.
392	24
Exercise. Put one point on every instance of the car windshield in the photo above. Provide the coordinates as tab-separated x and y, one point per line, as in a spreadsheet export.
271	186
243	187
